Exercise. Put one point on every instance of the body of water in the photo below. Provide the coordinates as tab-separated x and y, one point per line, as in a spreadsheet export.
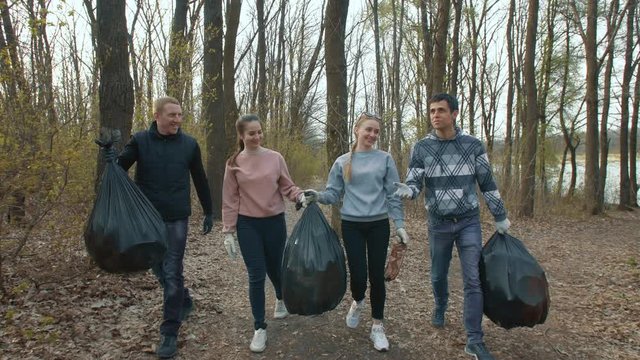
612	188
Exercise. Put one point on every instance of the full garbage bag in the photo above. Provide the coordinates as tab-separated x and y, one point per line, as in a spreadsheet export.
124	233
514	285
314	274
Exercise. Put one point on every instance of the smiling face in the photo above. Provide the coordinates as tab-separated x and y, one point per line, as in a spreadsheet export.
252	135
367	132
168	119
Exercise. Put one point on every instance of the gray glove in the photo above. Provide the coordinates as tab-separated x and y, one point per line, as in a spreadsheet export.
404	191
503	226
402	234
309	196
230	245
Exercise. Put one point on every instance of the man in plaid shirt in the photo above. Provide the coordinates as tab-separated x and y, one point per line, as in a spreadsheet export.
449	164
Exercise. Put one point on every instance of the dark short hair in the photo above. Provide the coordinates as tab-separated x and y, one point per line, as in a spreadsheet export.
451	100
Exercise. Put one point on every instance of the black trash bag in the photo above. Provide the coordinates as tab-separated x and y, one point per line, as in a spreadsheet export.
514	285
314	275
124	233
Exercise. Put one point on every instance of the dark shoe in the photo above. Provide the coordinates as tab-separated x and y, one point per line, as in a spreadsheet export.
437	319
478	351
168	347
187	308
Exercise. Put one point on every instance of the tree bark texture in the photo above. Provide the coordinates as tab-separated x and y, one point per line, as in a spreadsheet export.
116	85
213	101
337	92
530	125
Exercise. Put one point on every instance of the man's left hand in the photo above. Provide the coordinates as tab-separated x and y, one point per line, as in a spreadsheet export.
207	224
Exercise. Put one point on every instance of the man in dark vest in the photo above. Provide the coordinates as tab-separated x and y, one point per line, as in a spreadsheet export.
165	157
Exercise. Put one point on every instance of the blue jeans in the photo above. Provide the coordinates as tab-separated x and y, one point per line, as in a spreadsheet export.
466	234
262	242
362	241
169	274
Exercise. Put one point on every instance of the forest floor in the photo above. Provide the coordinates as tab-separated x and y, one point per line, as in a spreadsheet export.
72	310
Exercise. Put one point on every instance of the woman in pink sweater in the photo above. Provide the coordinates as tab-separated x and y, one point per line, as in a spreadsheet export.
256	181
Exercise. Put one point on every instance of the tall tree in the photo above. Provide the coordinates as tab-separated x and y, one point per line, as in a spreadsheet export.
116	85
625	186
262	62
508	140
177	50
455	48
592	199
633	141
606	95
213	101
337	93
440	46
530	125
231	111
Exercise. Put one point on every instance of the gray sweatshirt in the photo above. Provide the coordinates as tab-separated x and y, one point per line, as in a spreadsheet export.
368	196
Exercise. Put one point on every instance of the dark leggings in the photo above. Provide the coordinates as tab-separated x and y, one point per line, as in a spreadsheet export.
370	240
262	242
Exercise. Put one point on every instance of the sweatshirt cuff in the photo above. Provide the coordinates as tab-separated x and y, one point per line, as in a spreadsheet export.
399	223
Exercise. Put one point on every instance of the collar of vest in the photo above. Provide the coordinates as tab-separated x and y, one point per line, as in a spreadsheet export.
154	130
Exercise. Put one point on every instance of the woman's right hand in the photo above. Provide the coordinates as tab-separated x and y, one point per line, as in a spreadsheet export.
230	245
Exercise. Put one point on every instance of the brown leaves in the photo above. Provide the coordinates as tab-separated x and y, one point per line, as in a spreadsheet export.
81	312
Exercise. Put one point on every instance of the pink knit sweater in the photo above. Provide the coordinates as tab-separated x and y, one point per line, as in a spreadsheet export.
256	187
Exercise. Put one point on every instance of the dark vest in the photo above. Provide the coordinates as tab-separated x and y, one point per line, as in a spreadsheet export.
163	171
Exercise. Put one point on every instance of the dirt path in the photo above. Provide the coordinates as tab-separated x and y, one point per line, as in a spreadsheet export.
78	312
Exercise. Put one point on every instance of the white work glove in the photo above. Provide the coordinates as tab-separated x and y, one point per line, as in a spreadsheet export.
404	191
402	234
503	226
230	245
310	196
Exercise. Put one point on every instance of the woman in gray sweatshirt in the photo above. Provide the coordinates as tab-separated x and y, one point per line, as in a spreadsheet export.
364	179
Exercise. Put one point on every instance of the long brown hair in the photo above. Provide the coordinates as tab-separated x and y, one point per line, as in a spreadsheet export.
240	126
364	116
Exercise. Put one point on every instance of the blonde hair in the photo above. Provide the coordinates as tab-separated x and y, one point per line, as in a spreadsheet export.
158	105
240	125
364	116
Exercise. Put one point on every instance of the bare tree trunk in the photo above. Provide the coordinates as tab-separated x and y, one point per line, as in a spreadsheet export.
177	50
231	111
545	76
606	99
633	142
592	169
336	17
427	39
379	71
455	49
472	31
262	62
440	48
508	140
397	50
530	126
625	186
116	85
213	101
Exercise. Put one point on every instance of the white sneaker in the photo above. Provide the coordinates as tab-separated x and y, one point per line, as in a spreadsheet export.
280	311
259	342
378	337
353	316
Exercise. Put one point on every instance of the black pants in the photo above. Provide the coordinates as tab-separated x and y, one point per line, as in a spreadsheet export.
262	242
367	241
169	274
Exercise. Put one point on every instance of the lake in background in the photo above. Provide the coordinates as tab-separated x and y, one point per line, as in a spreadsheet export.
612	188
